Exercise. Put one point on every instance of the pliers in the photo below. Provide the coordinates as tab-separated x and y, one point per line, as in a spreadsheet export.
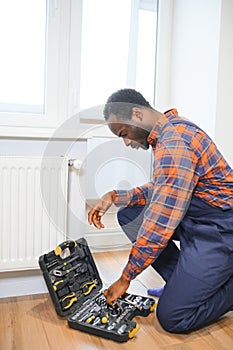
69	300
88	286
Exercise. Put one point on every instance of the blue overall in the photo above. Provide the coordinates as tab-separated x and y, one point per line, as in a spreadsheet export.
199	276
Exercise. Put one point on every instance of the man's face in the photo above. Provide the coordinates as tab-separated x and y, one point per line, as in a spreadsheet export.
132	133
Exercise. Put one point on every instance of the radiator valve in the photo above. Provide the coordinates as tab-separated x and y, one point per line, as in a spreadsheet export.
75	163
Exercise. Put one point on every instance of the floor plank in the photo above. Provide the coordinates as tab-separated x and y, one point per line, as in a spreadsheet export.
31	322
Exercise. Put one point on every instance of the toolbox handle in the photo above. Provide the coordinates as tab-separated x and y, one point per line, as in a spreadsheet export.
132	332
65	245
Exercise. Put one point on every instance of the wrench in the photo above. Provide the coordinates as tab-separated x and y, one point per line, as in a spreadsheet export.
60	273
63	264
131	303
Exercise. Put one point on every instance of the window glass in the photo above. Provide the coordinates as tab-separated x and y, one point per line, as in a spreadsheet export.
118	49
40	69
22	59
104	54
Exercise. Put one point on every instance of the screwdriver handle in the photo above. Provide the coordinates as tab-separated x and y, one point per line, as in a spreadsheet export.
90	319
59	284
104	317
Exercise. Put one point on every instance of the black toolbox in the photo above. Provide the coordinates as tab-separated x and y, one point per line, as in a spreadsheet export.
75	287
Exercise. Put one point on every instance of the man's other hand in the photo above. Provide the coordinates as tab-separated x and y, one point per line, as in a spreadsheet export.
96	213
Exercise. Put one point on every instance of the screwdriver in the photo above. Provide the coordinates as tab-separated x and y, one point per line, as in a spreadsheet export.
90	319
60	284
104	317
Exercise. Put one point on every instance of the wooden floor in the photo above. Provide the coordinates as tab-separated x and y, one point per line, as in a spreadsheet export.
31	323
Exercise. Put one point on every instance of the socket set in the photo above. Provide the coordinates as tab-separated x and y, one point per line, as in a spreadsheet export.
75	288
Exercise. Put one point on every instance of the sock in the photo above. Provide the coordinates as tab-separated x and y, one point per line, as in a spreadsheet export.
156	292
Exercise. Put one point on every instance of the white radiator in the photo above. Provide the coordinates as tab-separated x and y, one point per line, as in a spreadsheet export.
33	209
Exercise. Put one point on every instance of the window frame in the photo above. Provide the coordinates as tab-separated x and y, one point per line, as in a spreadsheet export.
149	5
59	62
63	69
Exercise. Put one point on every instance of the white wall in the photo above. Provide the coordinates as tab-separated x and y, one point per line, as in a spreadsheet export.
163	56
195	65
110	165
194	60
224	114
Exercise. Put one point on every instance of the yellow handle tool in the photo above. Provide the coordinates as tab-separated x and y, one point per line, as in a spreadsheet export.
90	319
58	285
67	244
68	301
104	318
88	286
132	332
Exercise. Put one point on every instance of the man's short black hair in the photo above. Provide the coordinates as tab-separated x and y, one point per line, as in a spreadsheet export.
121	102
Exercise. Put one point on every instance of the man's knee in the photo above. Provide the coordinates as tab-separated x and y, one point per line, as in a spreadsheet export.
171	319
124	221
130	219
121	217
164	317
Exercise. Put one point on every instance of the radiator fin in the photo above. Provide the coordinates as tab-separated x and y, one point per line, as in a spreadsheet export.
33	209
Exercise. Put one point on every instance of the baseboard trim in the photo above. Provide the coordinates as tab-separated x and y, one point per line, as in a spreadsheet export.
107	241
18	283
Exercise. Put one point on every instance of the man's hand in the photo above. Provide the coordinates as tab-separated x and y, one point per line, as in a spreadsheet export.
95	214
116	290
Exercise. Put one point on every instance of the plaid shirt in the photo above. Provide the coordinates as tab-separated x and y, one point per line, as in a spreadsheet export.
186	163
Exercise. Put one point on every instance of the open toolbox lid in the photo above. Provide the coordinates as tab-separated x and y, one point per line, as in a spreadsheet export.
75	287
71	275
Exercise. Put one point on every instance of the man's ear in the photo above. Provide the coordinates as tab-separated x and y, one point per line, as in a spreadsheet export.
137	114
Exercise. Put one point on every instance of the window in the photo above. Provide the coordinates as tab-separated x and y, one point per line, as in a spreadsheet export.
34	63
22	60
62	56
118	48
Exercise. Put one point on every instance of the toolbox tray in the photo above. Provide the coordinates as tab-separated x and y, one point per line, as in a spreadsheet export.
75	288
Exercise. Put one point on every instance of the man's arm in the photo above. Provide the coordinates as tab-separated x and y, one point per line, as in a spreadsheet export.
174	180
139	195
